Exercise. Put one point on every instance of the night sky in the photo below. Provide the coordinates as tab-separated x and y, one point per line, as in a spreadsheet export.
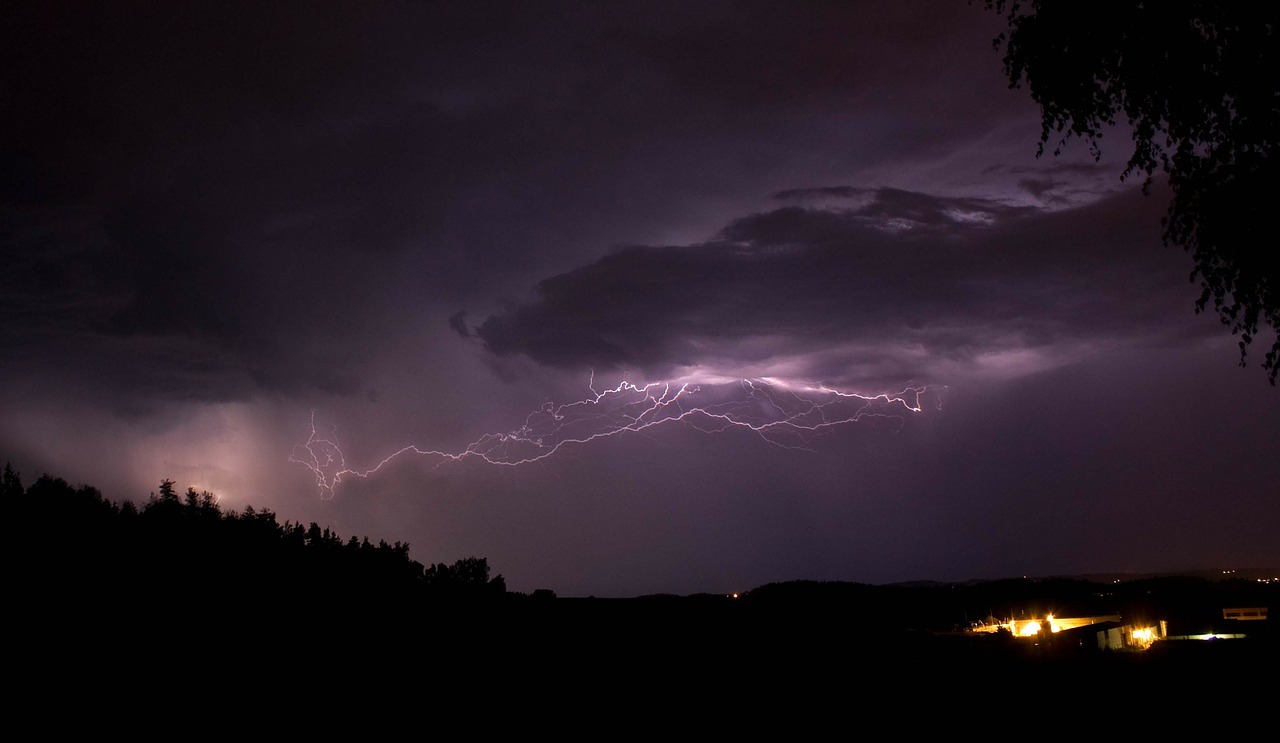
423	221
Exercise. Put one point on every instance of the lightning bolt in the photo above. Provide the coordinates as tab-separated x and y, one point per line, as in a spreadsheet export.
780	413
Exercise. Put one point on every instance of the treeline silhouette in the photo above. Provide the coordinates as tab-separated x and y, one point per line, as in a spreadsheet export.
73	552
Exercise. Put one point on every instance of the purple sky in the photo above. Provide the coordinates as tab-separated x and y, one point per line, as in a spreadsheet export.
423	221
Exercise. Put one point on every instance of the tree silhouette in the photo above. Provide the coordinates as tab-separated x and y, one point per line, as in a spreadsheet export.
1195	82
167	497
10	483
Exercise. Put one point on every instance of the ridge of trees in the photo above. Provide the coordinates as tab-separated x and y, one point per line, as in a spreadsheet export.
73	544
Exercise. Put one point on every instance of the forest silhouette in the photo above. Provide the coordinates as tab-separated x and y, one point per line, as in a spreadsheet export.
73	552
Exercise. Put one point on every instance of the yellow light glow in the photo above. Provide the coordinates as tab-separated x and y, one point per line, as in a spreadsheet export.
1030	628
1144	636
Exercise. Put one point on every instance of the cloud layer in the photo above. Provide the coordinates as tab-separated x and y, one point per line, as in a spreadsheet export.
883	285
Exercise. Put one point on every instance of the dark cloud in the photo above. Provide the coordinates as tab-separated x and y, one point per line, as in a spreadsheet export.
1065	182
1059	168
894	208
458	323
1039	187
907	285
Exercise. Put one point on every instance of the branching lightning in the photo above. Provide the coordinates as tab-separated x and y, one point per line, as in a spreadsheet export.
780	413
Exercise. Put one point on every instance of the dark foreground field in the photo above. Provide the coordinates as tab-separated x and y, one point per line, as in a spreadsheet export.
609	668
802	628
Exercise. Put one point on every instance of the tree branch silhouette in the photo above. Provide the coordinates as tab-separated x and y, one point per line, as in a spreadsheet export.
1195	82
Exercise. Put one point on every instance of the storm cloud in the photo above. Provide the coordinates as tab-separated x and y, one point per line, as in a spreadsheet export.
895	286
